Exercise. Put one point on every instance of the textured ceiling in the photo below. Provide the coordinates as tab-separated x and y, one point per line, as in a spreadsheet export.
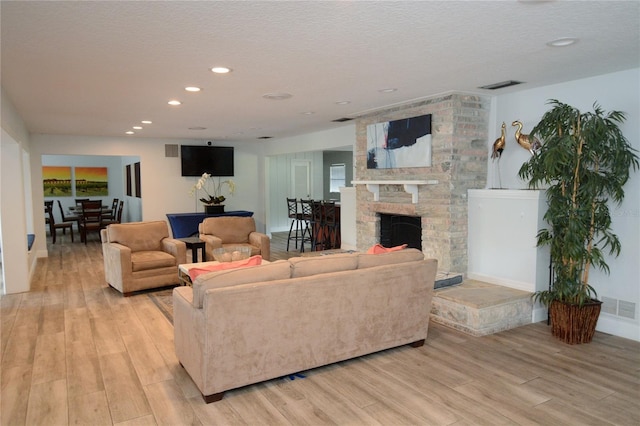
98	68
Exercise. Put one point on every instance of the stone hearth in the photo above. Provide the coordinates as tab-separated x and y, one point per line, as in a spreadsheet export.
479	308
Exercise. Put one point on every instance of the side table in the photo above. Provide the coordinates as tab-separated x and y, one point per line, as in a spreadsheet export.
194	243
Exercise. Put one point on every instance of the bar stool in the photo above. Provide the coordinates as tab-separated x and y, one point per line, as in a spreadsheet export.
318	234
307	217
297	218
331	224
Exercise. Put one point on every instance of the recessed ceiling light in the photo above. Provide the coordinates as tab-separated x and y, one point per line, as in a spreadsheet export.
389	90
562	42
174	102
277	96
137	127
221	70
192	89
146	122
130	132
308	113
343	102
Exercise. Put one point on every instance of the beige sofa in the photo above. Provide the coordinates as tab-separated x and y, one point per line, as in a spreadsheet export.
238	327
225	231
140	256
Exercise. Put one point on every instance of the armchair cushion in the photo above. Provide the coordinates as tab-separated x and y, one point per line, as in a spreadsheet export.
143	260
139	236
229	229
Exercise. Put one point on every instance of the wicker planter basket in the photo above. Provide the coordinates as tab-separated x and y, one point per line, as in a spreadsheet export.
574	324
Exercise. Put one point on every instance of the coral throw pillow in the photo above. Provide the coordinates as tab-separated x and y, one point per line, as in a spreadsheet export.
379	248
252	261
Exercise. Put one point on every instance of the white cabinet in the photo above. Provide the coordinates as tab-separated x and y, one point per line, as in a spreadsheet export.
503	225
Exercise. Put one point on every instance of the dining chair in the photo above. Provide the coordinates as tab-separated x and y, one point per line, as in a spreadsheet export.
117	215
53	226
91	218
68	218
46	211
114	211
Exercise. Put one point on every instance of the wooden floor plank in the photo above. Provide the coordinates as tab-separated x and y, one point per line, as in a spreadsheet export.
125	394
89	409
49	362
178	412
14	394
48	404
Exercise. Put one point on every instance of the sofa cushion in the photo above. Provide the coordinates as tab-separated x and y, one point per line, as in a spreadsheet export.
278	270
144	260
399	256
139	236
314	265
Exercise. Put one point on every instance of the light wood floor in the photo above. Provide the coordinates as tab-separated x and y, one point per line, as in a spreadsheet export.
75	351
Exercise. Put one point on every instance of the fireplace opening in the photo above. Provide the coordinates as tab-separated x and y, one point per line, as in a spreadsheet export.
396	230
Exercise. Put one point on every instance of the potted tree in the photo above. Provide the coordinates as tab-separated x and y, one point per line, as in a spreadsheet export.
584	162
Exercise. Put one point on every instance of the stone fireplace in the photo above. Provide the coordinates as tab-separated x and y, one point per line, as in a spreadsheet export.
437	195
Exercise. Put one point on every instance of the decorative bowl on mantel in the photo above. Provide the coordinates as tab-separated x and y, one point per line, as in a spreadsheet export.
231	254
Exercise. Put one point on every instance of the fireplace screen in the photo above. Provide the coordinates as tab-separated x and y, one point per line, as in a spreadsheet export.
396	230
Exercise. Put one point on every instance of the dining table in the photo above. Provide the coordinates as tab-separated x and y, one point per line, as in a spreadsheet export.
106	210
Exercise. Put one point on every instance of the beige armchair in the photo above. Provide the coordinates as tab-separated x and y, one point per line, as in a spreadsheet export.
140	256
224	231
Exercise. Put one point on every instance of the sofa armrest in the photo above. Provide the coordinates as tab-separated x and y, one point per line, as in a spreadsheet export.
211	242
262	241
117	264
189	333
176	248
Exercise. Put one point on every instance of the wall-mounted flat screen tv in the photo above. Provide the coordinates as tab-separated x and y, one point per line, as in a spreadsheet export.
215	160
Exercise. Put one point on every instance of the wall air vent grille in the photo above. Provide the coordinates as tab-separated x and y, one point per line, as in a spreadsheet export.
171	150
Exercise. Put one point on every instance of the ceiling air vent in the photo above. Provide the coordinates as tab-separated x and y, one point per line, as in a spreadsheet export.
265	137
501	85
342	120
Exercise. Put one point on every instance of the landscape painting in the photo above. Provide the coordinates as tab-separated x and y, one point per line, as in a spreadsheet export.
56	181
92	181
399	143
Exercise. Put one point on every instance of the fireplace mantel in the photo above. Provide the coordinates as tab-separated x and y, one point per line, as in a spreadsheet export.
410	186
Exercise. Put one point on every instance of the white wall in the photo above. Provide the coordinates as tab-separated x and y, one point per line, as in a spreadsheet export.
616	91
17	263
280	152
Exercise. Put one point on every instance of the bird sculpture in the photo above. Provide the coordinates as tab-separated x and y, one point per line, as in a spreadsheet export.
524	140
498	145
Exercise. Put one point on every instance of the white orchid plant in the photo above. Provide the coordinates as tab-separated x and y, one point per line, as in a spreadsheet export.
212	188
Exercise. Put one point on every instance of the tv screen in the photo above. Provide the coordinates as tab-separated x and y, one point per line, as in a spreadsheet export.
215	160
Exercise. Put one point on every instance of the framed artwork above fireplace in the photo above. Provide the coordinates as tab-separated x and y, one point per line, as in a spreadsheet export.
399	143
